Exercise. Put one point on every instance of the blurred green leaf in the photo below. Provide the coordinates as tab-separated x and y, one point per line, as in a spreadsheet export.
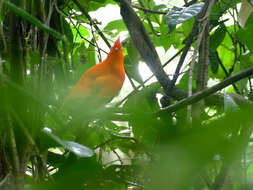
145	126
229	103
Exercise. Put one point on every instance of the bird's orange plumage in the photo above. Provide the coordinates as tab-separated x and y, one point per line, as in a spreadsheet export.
99	84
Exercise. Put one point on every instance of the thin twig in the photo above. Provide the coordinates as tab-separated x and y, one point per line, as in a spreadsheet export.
75	26
226	73
95	42
189	41
149	11
148	19
90	19
90	42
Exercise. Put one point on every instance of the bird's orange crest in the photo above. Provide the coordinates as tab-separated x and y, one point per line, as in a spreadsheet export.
117	45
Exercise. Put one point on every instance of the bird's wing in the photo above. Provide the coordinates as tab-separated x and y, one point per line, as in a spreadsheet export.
107	86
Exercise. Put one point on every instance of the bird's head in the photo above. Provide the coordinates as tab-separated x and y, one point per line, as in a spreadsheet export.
116	49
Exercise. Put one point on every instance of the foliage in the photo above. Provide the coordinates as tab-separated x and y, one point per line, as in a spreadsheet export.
136	142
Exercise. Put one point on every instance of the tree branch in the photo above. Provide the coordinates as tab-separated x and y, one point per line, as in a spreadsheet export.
206	92
146	48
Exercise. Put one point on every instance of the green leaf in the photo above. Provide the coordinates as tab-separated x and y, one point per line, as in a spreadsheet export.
83	31
132	69
131	62
77	149
34	57
179	15
226	55
148	93
217	37
83	59
187	26
67	31
183	83
145	125
244	34
177	37
221	8
164	38
93	5
118	25
245	62
213	61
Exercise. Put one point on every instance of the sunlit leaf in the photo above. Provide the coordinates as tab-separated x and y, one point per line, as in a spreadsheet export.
229	103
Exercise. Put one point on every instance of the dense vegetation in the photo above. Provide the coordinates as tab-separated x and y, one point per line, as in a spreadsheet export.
176	133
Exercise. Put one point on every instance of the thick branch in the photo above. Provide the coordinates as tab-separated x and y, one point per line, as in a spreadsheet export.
146	48
206	92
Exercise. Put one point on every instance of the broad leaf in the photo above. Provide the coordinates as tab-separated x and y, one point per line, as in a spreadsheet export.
93	5
117	25
67	31
131	62
77	149
217	37
245	34
178	15
213	61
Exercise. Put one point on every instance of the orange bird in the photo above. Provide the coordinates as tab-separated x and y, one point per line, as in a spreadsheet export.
99	84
